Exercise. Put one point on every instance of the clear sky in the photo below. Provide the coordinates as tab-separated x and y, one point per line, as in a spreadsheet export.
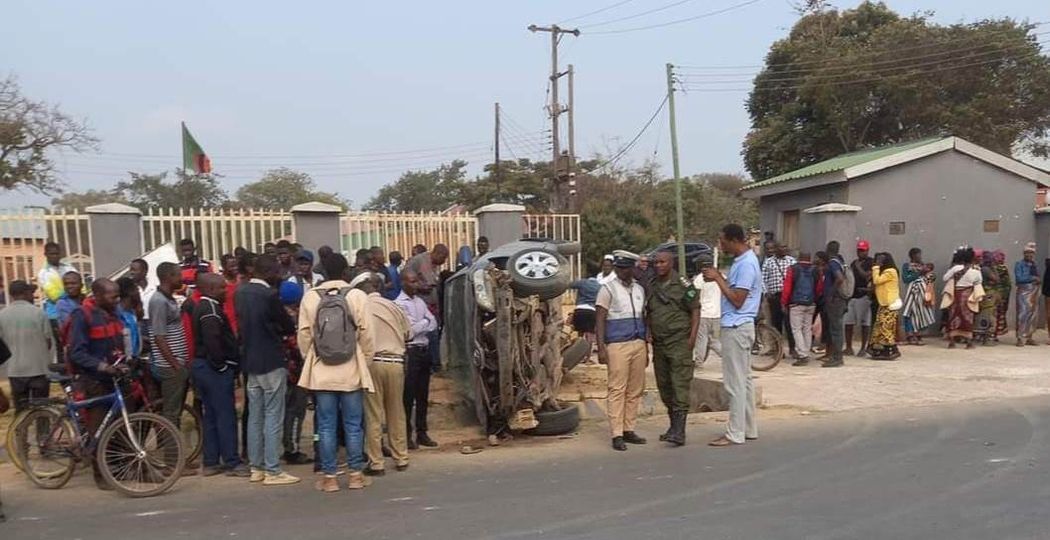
311	85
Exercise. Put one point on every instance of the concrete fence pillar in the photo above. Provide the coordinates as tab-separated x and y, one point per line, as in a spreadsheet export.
822	224
316	224
500	223
116	236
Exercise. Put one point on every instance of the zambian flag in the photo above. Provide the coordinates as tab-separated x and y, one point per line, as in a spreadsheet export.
193	156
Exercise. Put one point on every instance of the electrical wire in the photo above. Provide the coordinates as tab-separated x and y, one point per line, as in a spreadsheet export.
700	88
882	71
627	147
597	11
688	67
733	7
640	14
855	65
311	156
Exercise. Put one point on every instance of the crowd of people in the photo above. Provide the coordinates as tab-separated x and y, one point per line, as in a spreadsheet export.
357	343
818	302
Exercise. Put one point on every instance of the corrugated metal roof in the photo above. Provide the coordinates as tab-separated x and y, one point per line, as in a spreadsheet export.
843	162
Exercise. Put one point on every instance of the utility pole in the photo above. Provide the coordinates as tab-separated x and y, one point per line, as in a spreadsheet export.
572	142
680	221
498	171
557	201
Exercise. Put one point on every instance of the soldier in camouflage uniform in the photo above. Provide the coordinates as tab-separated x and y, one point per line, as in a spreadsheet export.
673	317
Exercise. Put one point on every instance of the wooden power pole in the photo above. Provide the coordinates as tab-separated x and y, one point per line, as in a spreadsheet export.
679	219
498	170
557	196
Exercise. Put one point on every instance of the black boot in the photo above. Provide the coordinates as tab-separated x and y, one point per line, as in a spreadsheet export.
618	444
670	426
631	437
677	436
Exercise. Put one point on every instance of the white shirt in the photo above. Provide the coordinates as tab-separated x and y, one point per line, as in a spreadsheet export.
605	279
971	277
710	298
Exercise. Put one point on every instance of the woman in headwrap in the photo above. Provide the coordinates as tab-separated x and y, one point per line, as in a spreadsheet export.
1026	276
918	312
960	281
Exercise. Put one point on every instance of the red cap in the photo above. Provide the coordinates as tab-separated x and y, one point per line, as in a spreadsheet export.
863	245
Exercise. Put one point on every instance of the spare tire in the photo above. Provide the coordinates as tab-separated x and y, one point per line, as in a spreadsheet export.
538	272
575	353
558	422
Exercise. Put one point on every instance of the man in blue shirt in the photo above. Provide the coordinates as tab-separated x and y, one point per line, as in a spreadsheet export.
741	297
393	276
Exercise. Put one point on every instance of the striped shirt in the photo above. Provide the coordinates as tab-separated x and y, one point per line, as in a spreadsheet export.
165	320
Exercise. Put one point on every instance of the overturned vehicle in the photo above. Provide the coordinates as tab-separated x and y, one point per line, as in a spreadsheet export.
504	340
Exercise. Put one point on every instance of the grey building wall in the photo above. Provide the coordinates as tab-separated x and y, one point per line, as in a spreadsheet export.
771	207
943	201
316	229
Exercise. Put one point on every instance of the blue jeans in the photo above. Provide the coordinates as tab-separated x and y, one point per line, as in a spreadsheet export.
266	419
350	407
220	416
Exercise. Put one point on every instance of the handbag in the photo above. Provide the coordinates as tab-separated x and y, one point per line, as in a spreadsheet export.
896	305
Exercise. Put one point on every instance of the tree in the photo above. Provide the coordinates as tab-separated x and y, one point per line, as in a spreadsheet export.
282	189
519	182
422	191
849	80
91	197
187	191
28	131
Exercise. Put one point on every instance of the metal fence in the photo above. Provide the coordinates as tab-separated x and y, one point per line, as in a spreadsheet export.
556	227
23	234
402	231
216	231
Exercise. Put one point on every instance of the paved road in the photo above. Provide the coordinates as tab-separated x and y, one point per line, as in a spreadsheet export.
964	471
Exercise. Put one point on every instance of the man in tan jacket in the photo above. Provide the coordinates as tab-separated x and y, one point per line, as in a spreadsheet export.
339	388
391	332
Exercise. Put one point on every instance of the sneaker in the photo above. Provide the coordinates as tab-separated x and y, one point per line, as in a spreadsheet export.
297	458
631	437
358	480
834	363
369	471
801	362
327	484
280	479
240	471
257	475
401	467
214	470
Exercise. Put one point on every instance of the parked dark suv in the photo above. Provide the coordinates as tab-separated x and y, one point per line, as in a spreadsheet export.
503	339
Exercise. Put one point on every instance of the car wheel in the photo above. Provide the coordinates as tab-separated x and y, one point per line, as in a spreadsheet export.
575	353
538	272
557	422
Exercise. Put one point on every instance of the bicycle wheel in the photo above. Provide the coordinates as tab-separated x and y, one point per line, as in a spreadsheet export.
770	348
14	448
192	428
48	447
150	470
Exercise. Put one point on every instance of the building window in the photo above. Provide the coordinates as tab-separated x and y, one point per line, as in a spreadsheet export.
896	227
991	225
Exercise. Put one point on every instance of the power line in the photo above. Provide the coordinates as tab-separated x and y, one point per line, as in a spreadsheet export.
882	71
695	88
856	65
597	11
677	21
641	14
871	53
627	147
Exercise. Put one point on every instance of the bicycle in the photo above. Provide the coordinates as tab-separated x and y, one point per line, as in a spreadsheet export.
190	422
139	454
769	347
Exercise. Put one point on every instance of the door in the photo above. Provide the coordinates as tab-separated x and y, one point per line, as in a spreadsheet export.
789	229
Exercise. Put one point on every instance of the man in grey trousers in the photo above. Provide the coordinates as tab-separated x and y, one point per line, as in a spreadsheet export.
741	298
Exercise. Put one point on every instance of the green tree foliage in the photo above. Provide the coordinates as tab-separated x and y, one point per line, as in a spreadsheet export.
187	191
91	197
422	191
282	189
848	80
29	131
518	182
